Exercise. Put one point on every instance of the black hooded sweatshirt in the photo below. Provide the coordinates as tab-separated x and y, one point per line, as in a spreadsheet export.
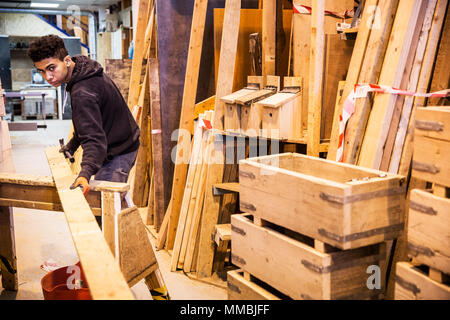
103	124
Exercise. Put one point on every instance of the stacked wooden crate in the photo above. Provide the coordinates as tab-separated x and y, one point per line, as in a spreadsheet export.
427	277
314	228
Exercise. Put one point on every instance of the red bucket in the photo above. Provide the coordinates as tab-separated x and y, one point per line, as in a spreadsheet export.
54	285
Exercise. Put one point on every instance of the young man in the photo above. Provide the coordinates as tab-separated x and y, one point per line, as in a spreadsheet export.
103	124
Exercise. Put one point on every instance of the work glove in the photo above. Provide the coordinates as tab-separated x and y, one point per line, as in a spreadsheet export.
82	183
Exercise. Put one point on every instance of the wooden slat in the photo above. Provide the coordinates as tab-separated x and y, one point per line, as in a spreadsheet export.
424	80
401	107
395	59
187	115
103	275
369	73
138	52
397	146
356	62
157	148
268	37
412	284
215	169
441	73
316	77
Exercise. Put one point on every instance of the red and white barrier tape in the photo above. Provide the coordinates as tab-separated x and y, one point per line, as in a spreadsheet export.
301	9
361	91
205	124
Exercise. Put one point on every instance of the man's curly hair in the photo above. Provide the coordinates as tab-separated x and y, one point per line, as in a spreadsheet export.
49	46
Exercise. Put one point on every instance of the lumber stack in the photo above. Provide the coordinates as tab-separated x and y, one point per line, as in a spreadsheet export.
186	240
331	217
428	275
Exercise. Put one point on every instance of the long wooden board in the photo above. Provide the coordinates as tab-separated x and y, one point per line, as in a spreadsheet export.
395	59
187	116
216	167
356	62
105	280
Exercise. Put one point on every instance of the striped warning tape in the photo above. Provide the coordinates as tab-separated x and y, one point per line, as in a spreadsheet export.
301	9
361	91
5	264
160	293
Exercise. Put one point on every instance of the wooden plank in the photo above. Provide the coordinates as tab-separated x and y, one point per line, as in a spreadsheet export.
315	99
238	288
403	105
103	275
370	71
138	52
217	157
187	115
441	75
139	175
156	139
8	261
119	71
134	251
269	19
199	199
430	160
395	59
428	230
413	284
205	105
302	41
193	161
301	271
356	62
424	80
433	122
338	54
111	207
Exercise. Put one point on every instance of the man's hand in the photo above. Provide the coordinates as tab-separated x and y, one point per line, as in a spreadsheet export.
82	183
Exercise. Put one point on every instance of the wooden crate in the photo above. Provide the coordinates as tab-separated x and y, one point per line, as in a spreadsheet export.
240	288
411	283
429	230
340	204
288	262
282	113
431	158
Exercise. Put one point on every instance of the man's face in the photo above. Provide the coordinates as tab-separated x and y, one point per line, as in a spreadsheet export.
54	70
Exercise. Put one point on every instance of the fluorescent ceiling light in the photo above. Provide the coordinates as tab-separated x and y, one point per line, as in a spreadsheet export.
44	5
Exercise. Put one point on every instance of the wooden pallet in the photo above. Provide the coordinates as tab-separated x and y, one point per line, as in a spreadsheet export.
302	267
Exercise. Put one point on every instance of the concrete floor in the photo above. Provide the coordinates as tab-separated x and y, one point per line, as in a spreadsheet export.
44	235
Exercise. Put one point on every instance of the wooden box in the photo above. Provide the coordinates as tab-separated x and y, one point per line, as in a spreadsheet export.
240	288
340	204
232	115
251	111
411	283
288	262
429	230
431	157
282	112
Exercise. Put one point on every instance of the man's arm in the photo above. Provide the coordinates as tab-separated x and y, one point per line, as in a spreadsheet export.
87	120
